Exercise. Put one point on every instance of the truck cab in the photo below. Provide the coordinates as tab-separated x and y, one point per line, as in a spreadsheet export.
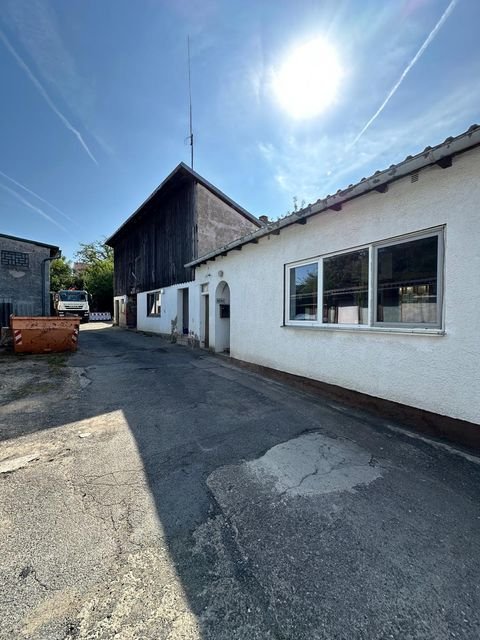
72	302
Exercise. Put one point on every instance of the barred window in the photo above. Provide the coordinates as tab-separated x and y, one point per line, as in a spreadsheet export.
15	259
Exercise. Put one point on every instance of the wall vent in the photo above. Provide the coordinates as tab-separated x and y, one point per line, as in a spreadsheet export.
414	177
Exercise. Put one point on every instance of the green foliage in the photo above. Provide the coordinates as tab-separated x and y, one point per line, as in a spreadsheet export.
98	274
94	252
61	275
97	278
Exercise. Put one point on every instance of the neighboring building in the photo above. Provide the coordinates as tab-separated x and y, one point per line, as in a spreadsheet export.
24	277
374	289
79	268
183	218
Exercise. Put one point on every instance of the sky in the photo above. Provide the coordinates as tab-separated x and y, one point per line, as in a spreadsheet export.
94	105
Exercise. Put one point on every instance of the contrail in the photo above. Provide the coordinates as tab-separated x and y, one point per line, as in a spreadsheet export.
32	193
414	60
23	65
34	208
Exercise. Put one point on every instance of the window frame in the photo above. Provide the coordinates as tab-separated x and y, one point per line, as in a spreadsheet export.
342	253
439	233
372	324
302	263
154	293
288	268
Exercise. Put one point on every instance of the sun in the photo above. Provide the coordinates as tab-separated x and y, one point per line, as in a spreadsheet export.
308	80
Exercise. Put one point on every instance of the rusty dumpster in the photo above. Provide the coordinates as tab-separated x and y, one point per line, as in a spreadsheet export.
44	335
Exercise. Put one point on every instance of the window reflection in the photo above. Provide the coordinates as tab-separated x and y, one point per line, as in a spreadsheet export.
407	282
345	288
303	292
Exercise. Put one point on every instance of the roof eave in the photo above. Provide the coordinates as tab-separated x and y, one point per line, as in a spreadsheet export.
53	248
429	156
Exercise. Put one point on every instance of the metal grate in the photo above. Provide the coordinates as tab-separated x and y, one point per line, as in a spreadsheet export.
414	177
14	259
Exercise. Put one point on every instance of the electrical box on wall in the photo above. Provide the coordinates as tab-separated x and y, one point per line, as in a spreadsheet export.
224	311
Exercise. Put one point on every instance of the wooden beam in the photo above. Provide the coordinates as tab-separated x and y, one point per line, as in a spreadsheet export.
254	240
301	221
337	206
238	247
445	162
224	253
382	188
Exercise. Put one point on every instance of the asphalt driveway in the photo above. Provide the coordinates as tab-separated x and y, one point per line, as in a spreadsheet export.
150	491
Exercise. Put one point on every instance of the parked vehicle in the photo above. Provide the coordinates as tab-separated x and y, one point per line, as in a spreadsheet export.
72	302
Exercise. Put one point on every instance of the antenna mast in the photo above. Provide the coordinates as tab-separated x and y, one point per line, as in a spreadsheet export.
190	103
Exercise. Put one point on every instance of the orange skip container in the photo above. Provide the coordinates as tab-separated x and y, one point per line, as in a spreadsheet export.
44	335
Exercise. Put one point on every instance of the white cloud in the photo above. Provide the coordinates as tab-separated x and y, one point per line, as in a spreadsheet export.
311	168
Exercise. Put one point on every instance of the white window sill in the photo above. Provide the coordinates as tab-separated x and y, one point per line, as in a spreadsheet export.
366	329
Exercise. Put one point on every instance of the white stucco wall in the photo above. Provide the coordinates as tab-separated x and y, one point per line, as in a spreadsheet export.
171	310
439	373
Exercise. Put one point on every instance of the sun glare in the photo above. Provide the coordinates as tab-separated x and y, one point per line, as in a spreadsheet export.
308	80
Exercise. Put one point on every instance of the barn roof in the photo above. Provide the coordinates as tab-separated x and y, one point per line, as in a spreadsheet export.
178	176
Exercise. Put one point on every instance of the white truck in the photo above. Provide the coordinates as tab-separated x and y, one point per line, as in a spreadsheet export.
72	302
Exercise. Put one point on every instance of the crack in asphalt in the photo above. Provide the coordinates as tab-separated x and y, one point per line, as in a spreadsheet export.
29	570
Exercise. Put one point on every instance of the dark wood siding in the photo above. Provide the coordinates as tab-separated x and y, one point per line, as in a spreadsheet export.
151	251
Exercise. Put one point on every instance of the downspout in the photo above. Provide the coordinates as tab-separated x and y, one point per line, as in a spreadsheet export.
44	279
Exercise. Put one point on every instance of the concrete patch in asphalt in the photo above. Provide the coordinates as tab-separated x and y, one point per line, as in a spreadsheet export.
314	464
13	464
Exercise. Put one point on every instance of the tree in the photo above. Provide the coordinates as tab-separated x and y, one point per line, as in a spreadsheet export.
98	274
94	252
61	274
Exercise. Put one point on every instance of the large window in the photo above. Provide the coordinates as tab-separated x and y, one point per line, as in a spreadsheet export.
394	283
154	304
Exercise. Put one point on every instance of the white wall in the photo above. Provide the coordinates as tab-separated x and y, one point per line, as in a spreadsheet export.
171	310
439	373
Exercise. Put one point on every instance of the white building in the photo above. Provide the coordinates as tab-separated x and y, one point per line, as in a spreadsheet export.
374	290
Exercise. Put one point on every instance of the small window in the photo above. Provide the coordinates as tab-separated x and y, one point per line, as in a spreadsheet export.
15	259
154	304
304	292
345	288
408	282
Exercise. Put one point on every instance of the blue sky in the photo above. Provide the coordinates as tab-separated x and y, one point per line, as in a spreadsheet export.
94	108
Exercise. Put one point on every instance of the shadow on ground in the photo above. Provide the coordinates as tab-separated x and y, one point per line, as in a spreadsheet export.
394	557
